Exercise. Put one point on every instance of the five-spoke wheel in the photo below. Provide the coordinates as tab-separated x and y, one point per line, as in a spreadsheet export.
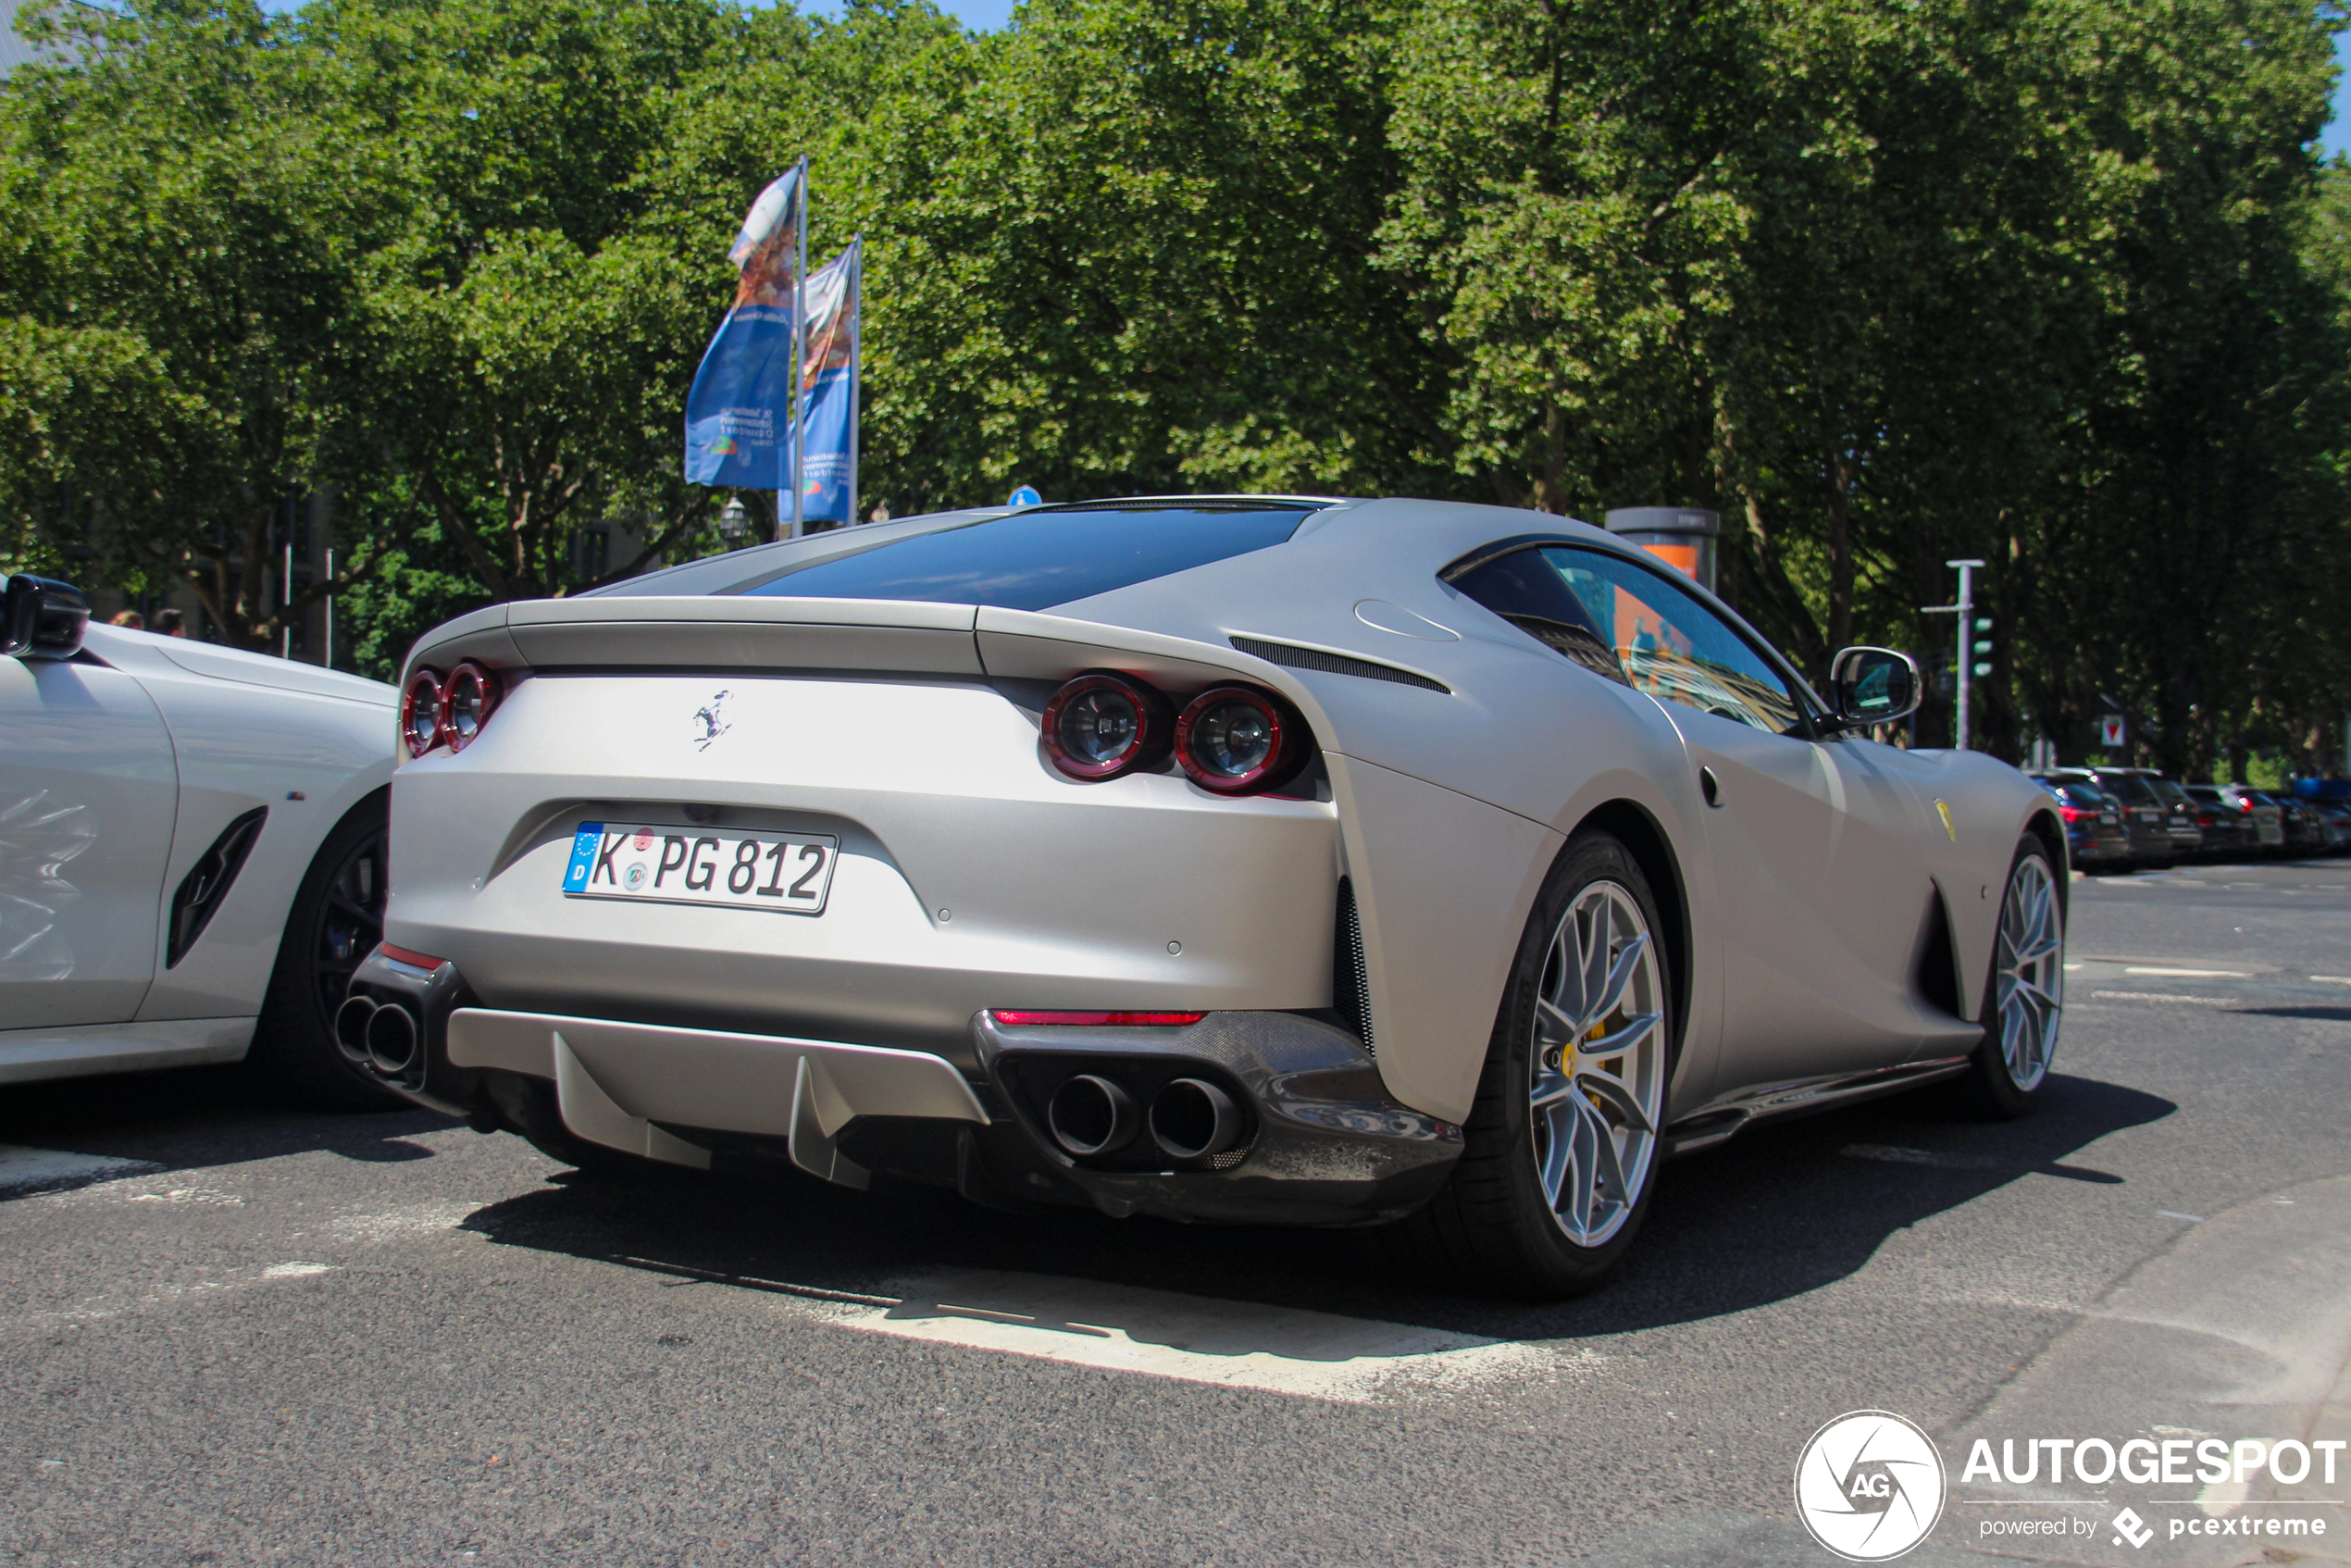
1561	1147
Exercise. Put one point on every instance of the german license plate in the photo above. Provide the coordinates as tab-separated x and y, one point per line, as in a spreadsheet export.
788	873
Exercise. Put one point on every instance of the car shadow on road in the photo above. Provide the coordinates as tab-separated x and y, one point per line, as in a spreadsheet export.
1781	1210
193	1117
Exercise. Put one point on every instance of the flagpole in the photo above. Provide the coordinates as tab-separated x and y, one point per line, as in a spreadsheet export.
856	367
798	338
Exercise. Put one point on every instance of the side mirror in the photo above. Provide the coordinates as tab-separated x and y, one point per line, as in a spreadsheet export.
1872	686
41	619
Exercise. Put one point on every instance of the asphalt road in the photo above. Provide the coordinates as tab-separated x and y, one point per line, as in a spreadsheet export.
268	1335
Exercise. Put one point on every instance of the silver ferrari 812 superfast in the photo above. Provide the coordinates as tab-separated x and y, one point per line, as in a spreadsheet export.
1245	858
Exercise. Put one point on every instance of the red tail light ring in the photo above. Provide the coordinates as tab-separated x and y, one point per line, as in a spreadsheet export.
1104	726
467	699
1239	741
420	712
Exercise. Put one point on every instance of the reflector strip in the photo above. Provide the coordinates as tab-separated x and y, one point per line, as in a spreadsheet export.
1151	1020
415	960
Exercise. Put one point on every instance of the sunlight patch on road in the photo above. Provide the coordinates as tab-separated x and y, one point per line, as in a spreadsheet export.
35	1170
1192	1338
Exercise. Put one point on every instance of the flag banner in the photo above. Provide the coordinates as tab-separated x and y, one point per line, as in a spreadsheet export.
829	466
737	413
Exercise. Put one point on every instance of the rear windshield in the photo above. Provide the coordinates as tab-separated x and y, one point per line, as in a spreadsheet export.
2089	797
1035	560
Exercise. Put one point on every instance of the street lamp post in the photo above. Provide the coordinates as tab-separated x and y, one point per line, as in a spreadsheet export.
1965	610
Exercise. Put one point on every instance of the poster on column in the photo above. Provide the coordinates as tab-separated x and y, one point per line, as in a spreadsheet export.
828	469
737	412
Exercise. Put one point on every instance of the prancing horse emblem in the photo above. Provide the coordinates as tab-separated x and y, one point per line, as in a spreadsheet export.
710	719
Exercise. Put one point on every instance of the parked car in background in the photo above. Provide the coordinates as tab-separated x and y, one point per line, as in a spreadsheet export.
2304	829
2095	837
2228	832
2147	817
191	843
2187	832
2335	816
2268	825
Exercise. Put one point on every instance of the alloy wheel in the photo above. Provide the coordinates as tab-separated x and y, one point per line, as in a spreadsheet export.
2029	972
1598	1064
350	923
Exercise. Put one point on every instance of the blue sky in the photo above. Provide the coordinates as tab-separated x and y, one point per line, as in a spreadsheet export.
983	16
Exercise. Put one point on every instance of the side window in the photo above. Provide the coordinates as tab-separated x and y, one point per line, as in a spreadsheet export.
1527	591
1634	625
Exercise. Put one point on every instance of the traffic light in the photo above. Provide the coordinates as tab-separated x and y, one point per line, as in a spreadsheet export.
1983	641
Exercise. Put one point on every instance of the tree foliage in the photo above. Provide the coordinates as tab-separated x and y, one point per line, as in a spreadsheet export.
2060	284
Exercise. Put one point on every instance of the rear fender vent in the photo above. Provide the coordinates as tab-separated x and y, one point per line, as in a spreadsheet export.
1335	664
208	883
1350	981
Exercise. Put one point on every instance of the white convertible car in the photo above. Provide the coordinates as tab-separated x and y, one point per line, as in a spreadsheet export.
191	850
1250	858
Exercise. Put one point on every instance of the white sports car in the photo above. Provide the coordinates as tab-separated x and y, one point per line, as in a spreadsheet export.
191	849
1250	858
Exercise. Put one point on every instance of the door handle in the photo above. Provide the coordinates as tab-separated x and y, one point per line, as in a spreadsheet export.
1709	786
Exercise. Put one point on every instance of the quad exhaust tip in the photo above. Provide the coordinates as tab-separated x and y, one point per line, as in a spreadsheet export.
1189	1119
1192	1119
1091	1115
383	1036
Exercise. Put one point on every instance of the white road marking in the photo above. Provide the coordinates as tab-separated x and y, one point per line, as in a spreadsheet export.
2333	979
295	1271
1190	1338
2187	973
26	1170
2175	1215
411	1219
2167	996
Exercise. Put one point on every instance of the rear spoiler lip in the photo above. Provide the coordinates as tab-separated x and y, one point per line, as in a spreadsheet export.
704	635
531	633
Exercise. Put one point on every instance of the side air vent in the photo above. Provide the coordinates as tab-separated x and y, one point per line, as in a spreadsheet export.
1938	976
208	883
1350	981
1335	664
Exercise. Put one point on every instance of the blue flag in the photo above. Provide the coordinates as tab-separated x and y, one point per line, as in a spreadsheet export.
828	467
740	407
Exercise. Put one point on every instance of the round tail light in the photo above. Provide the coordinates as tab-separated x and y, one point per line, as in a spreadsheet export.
1104	726
467	699
1238	741
420	713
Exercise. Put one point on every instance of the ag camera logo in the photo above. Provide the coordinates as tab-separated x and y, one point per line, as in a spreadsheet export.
1870	1486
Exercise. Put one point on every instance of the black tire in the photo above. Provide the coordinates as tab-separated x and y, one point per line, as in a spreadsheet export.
1990	1089
336	920
1492	1224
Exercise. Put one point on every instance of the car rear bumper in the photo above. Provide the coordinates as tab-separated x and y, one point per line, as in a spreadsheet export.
1316	1140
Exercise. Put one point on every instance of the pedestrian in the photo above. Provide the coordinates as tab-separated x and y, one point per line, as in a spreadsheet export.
171	623
130	618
